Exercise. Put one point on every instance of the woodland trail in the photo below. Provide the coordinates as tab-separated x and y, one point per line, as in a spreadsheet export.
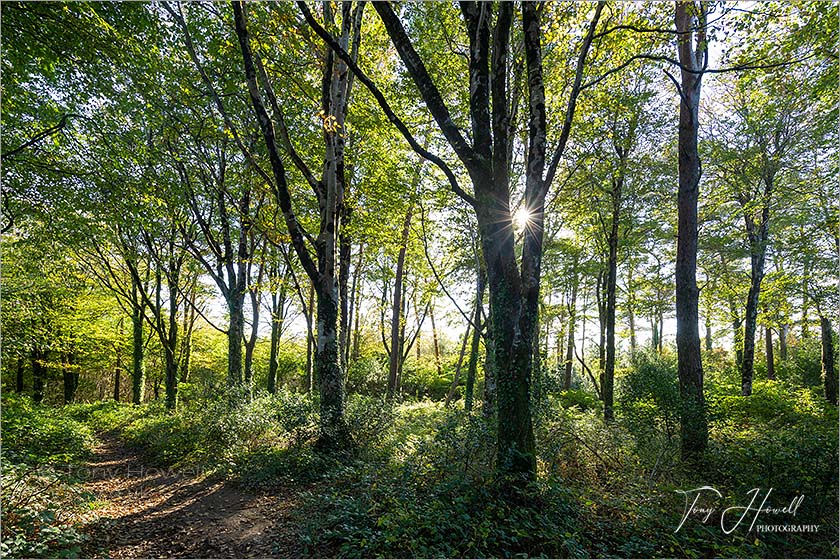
147	512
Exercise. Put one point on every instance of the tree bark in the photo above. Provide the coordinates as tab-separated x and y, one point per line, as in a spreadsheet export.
601	301
138	372
357	301
435	343
274	351
654	334
251	342
310	341
171	358
690	19
768	352
69	379
189	324
344	255
19	375
631	312
514	294
457	378
751	314
335	436
350	345
607	387
117	373
570	342
396	307
278	306
236	333
829	360
38	358
708	333
472	363
783	346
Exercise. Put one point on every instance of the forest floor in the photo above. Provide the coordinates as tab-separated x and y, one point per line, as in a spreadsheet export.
147	512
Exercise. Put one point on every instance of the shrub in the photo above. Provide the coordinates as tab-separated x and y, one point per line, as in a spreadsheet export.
579	398
38	435
447	516
367	375
649	396
42	513
42	508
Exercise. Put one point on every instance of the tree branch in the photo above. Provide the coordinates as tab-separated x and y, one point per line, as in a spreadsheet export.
383	103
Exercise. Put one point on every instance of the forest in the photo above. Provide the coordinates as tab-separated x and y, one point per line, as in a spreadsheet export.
420	279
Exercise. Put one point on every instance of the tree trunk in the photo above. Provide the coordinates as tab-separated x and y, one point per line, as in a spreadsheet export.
345	250
601	301
783	346
536	364
472	363
654	334
708	333
488	407
660	338
278	302
611	286
829	363
189	324
768	352
138	369
236	333
138	372
118	374
352	346
357	291
251	341
19	375
171	336
335	435
693	55
458	365
751	320
69	379
403	352
171	379
396	308
310	339
570	342
737	334
631	311
434	341
38	374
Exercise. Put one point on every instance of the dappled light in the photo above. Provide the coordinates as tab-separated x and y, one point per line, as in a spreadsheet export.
419	279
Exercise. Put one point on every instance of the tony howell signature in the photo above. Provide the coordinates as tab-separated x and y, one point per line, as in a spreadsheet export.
734	516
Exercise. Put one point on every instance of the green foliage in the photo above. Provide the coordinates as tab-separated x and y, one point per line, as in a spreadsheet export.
38	435
42	508
649	396
453	518
367	375
431	494
579	398
803	366
42	513
420	379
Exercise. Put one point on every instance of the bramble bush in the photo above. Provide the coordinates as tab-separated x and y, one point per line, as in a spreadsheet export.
43	508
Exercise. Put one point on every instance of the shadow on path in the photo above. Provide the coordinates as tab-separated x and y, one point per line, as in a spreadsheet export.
159	513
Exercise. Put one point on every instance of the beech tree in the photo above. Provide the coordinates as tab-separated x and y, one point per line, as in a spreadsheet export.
513	283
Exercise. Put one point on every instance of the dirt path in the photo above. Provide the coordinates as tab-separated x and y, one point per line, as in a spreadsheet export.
155	513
